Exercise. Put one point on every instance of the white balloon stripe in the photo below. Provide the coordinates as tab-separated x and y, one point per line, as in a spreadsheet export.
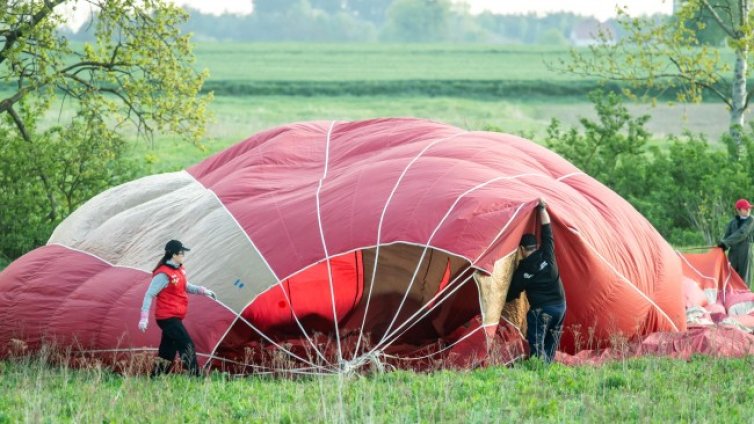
98	258
240	227
693	268
324	243
437	228
379	230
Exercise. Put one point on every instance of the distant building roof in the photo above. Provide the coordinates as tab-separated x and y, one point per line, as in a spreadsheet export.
586	32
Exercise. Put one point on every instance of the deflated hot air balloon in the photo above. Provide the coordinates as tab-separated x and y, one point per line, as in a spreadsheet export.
337	245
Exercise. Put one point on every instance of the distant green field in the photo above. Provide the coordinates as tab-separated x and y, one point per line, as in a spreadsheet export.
457	70
508	88
365	62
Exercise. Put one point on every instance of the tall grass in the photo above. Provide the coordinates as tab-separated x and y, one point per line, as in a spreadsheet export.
703	389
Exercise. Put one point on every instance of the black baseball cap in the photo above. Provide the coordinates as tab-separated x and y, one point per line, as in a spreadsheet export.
175	246
528	241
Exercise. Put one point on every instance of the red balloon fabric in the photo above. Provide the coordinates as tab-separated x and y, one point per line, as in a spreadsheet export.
338	244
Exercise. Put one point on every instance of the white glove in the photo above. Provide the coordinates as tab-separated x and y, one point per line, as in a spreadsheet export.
209	293
143	321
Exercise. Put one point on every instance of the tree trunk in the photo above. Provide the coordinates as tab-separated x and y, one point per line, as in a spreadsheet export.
739	100
738	94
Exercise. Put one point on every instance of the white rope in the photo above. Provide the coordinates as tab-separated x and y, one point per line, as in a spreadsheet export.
728	275
272	271
437	228
566	176
623	278
693	268
447	295
727	279
455	289
379	231
264	336
324	243
98	258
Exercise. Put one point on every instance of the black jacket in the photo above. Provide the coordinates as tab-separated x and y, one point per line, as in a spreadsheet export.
538	275
739	234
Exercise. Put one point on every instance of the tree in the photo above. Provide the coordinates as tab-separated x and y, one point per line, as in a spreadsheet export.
418	20
136	75
684	187
373	11
273	6
661	56
707	29
329	6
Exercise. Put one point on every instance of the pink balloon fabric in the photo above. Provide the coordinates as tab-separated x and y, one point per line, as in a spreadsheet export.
342	241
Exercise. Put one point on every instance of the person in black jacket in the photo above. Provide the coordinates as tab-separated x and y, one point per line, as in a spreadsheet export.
538	276
739	236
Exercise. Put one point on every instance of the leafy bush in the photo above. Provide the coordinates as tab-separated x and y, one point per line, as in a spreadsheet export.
684	186
45	179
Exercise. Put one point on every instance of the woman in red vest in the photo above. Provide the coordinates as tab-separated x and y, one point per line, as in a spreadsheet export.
170	286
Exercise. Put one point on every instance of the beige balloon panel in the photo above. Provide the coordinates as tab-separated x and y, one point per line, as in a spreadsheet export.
129	225
493	290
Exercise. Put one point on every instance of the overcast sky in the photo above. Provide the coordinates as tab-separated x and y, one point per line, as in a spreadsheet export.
602	9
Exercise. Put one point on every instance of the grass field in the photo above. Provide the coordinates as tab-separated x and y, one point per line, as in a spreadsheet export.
358	62
644	390
638	390
237	118
262	85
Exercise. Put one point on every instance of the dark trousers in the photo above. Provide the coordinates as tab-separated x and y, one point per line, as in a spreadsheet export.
175	338
544	327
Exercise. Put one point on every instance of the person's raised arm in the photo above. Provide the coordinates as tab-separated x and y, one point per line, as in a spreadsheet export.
548	242
544	217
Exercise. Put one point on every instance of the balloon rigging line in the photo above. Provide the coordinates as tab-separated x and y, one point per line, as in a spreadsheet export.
379	229
437	228
623	278
448	287
238	315
324	243
269	339
279	282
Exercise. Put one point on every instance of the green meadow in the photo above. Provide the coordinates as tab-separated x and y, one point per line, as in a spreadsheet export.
512	89
637	390
501	88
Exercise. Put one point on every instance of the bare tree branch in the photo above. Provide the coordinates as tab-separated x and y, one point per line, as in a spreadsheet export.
684	75
719	20
19	123
7	103
13	35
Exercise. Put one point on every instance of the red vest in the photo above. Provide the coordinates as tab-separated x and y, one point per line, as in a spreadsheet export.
172	301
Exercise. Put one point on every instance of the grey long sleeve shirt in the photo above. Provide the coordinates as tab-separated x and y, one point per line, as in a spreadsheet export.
159	282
